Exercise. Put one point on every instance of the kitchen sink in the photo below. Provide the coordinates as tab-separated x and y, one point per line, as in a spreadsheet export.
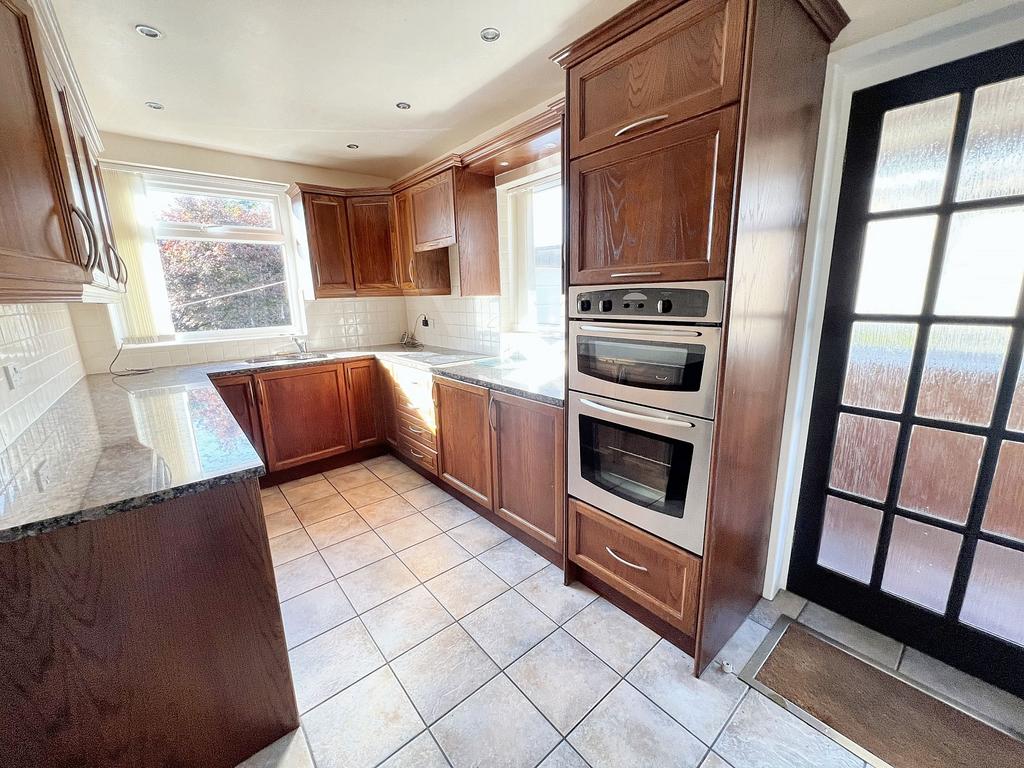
286	357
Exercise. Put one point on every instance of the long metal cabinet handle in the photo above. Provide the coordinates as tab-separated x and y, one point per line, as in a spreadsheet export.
416	453
637	331
416	430
490	416
639	123
642	416
611	552
634	274
91	255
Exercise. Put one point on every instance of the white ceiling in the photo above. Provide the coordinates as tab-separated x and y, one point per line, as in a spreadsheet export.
298	80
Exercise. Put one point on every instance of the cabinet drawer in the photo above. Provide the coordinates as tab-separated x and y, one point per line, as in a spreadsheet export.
658	576
418	452
685	63
656	209
418	430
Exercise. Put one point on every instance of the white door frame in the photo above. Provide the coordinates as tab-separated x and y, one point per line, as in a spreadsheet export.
961	31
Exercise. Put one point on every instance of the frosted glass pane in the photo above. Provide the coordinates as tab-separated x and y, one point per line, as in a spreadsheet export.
913	154
1004	514
1015	421
920	563
894	265
849	538
878	365
863	455
993	164
984	263
994	601
940	472
961	373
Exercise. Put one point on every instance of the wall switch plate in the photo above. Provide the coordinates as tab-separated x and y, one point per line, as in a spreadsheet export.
13	373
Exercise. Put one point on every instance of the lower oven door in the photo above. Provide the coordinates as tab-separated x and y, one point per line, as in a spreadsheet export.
645	466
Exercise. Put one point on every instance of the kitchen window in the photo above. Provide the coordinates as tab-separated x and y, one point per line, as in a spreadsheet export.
535	245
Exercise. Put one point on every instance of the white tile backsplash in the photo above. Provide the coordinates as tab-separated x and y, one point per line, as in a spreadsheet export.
468	323
40	340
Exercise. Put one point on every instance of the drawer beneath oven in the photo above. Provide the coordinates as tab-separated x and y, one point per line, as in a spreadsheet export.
658	576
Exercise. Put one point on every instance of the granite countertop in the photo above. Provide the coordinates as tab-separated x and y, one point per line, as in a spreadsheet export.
115	444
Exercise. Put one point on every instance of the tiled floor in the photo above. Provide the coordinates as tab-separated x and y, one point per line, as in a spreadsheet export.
421	635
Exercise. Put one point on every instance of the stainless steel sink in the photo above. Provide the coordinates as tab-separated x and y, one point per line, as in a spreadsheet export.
286	357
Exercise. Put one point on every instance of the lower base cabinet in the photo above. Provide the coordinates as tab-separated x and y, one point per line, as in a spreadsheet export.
464	439
239	395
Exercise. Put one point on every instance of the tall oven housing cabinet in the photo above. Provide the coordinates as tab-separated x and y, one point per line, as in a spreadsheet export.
691	129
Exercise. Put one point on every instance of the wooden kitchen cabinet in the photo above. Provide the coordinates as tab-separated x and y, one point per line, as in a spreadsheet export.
364	403
421	273
432	206
324	220
239	395
372	244
386	381
464	436
304	413
528	466
40	254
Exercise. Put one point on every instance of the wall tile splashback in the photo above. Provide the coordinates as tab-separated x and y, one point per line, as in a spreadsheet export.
40	340
468	323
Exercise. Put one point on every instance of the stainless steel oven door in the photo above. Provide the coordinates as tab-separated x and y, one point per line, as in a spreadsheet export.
645	466
669	367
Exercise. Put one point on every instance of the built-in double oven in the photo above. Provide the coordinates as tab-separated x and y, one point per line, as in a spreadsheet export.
643	374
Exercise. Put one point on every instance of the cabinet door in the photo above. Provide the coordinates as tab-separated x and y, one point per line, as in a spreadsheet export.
685	63
112	263
433	212
423	273
464	436
238	394
329	254
657	208
372	242
528	447
364	403
38	256
386	382
86	239
304	413
403	238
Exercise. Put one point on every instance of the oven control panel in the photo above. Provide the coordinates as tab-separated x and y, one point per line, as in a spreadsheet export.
668	302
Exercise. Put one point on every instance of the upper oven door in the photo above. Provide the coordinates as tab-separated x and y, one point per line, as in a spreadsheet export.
669	367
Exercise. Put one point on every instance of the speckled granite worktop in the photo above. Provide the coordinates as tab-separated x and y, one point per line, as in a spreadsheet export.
111	445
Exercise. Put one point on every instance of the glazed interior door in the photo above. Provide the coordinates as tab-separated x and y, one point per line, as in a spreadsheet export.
911	516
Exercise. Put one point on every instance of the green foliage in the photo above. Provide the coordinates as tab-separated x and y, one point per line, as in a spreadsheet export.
213	211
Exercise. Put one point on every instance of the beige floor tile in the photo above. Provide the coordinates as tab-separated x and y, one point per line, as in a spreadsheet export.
301	575
353	479
321	509
363	724
289	751
408	531
274	502
615	636
352	554
304	494
507	627
626	729
402	622
442	671
562	678
314	612
271	490
406	481
387	467
497	725
343	470
702	706
385	511
290	546
335	529
301	481
466	587
478	535
767	612
449	514
279	523
421	752
714	761
377	583
512	561
426	496
371	463
564	756
367	494
433	556
331	662
546	591
741	646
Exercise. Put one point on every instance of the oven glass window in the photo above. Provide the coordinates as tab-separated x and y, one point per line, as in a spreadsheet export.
667	366
646	469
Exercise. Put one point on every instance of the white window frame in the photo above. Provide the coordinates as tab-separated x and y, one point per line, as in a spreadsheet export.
521	251
160	181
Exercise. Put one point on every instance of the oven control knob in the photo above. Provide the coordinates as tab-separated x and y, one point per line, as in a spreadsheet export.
664	306
584	305
606	305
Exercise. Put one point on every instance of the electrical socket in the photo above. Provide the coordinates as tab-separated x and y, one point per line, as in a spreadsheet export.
425	322
12	372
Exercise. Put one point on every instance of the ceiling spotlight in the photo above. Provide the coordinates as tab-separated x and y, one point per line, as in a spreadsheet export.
352	146
147	31
550	145
154	105
489	34
403	105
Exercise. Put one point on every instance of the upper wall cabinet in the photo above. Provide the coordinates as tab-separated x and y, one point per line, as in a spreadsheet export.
421	273
40	252
323	220
432	205
685	63
372	243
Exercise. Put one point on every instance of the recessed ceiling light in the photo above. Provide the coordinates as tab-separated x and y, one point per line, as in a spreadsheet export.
550	145
503	163
403	105
352	146
489	34
154	105
147	31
